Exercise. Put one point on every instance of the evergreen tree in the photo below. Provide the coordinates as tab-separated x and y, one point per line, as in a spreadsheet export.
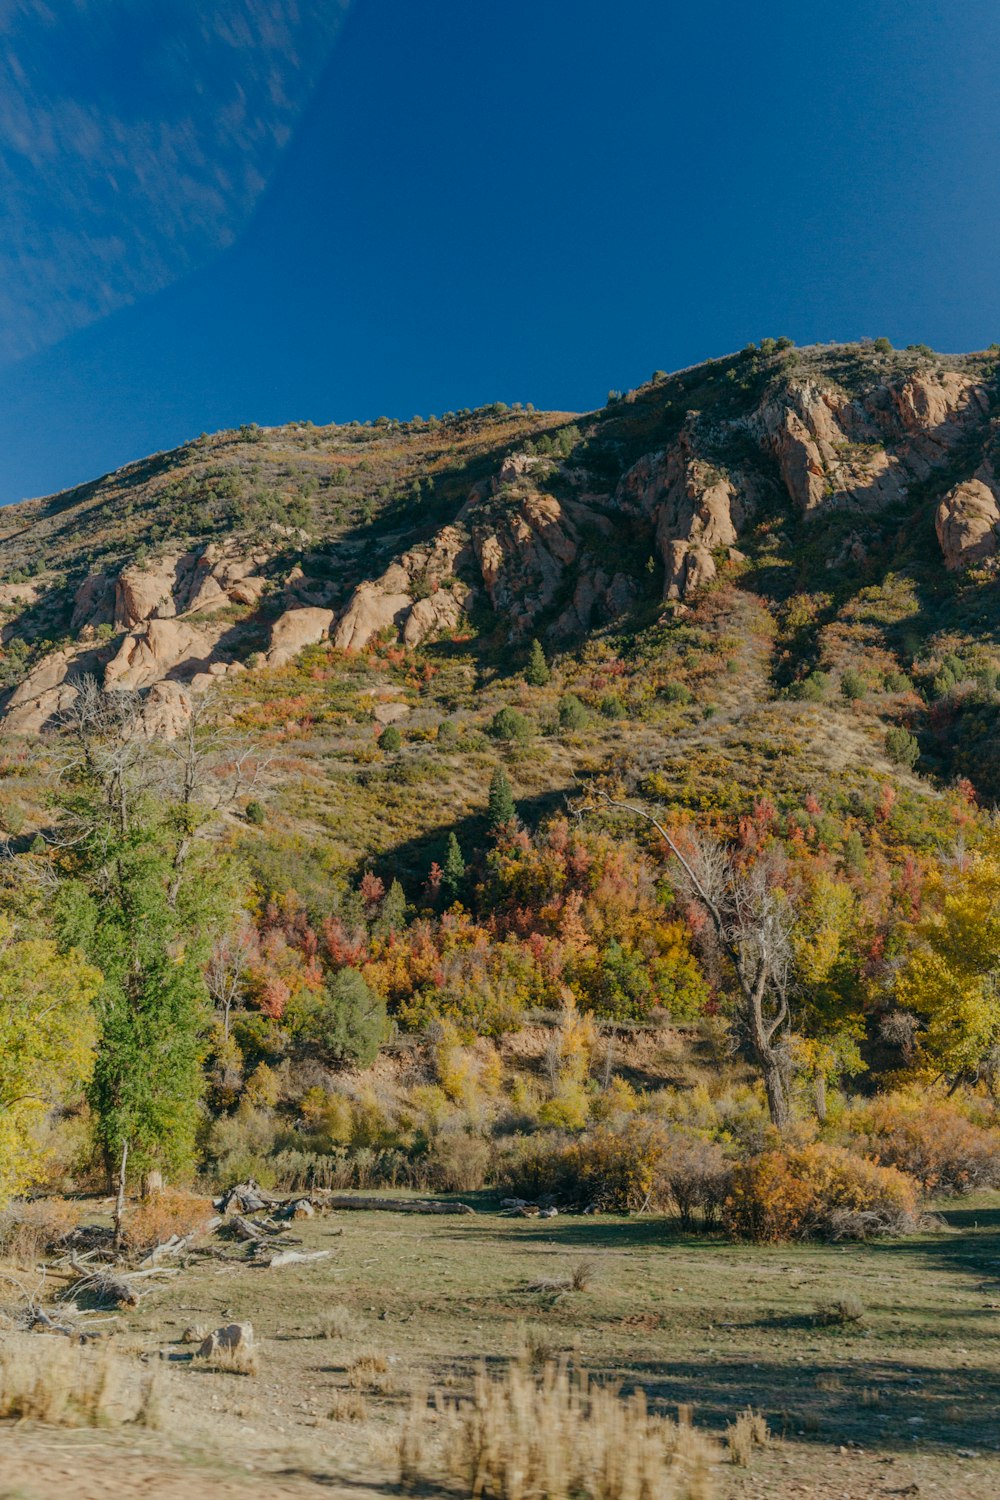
501	809
453	870
392	912
537	672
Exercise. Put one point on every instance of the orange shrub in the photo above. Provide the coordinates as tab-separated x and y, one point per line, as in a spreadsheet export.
164	1213
935	1143
818	1192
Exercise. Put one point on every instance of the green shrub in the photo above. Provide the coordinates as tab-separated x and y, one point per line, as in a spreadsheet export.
573	714
675	692
852	684
390	740
345	1024
811	688
510	725
902	747
255	814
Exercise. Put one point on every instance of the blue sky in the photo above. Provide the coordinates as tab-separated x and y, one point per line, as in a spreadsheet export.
276	209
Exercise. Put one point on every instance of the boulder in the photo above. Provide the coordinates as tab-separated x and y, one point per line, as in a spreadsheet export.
438	611
167	710
967	523
295	629
43	694
144	591
163	646
233	1338
370	610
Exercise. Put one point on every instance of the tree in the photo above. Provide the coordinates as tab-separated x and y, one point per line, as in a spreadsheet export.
47	1035
510	724
952	978
453	869
537	671
501	809
752	921
345	1024
392	912
390	740
143	894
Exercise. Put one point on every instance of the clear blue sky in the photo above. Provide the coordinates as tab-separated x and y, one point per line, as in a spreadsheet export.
430	204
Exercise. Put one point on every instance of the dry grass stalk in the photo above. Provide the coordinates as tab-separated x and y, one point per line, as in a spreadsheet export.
369	1372
348	1406
239	1361
340	1323
842	1312
749	1431
51	1380
521	1438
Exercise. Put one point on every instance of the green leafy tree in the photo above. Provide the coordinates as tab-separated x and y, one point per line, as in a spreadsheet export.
537	671
47	1036
345	1024
453	870
501	809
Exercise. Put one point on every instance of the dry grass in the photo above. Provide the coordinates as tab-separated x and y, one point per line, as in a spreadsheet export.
348	1406
240	1361
28	1229
165	1213
554	1438
340	1323
748	1432
843	1312
45	1378
369	1372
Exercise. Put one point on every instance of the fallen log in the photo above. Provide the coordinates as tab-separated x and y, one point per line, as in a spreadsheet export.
291	1257
395	1205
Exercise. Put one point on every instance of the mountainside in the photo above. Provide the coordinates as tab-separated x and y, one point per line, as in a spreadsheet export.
743	575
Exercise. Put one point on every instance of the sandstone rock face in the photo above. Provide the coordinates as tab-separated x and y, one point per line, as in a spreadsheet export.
42	696
523	550
167	710
295	629
968	524
695	508
833	450
162	647
392	602
187	583
94	601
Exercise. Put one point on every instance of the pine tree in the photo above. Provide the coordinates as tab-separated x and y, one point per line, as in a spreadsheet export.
537	671
501	808
453	871
392	913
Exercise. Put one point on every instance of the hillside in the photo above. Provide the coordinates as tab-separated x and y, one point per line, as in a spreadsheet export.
743	575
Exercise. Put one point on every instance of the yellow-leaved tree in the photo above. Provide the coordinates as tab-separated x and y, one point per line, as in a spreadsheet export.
47	1035
951	980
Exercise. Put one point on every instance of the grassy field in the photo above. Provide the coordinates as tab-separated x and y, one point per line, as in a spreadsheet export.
906	1396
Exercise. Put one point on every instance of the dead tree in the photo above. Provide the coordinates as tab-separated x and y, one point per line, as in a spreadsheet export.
752	922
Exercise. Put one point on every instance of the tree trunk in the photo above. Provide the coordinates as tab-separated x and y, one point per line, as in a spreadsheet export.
774	1087
120	1200
819	1091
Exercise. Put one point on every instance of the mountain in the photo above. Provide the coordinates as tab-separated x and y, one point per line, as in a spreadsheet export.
771	575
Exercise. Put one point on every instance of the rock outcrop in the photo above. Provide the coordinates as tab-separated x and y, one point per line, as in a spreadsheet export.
418	595
967	522
295	629
181	583
694	507
43	695
160	648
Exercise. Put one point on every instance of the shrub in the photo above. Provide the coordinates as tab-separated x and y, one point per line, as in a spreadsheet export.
811	688
255	814
458	1162
675	692
164	1213
818	1192
558	1436
852	684
749	1431
573	714
902	747
616	1169
935	1143
345	1024
695	1176
390	740
510	726
29	1229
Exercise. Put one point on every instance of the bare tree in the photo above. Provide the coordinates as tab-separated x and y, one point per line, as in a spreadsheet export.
226	973
752	921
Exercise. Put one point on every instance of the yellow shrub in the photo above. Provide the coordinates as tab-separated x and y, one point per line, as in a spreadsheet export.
818	1191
